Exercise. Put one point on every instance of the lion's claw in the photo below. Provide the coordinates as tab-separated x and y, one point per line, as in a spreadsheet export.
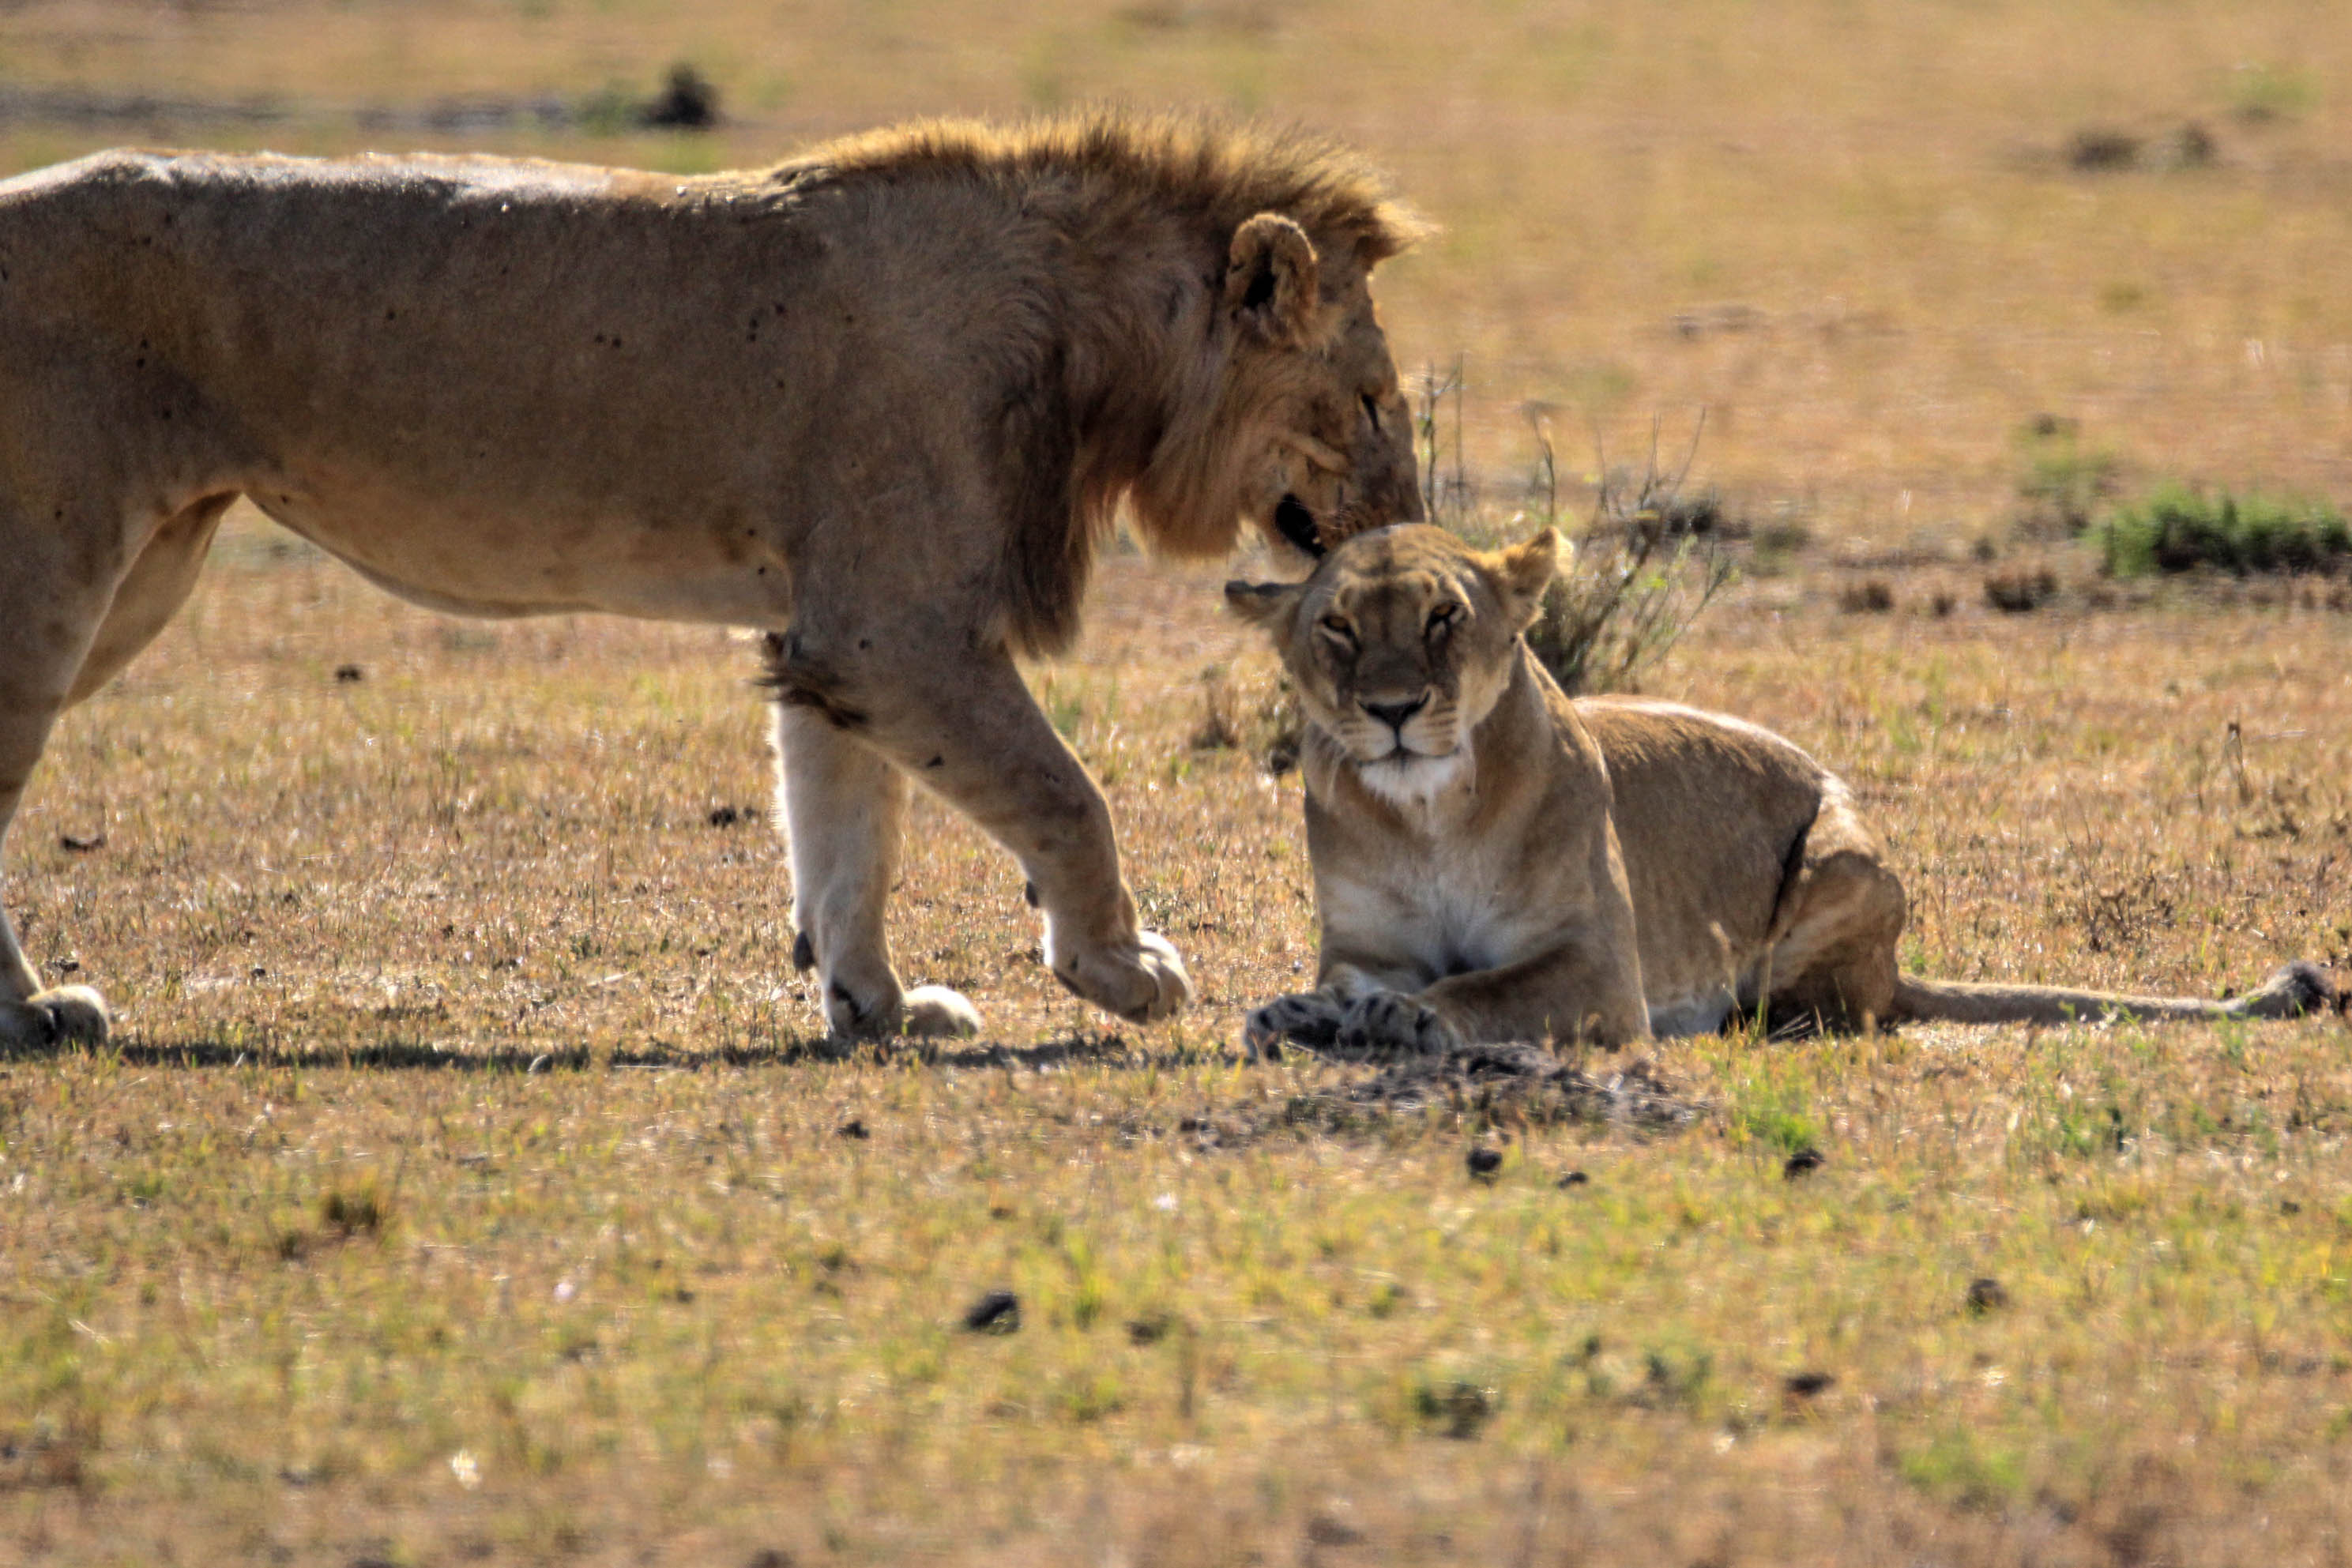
925	1012
1309	1019
936	1011
66	1015
1143	984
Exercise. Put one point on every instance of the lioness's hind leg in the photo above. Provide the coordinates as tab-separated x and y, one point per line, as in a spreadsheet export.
842	807
1834	963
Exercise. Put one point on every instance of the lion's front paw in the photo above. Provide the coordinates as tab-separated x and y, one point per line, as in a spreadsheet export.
1309	1019
1383	1026
1143	983
68	1015
934	1011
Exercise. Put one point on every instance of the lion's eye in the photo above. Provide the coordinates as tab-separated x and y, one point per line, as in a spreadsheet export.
1442	618
1373	411
1338	630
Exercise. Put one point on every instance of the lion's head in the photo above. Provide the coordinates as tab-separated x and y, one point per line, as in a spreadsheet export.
1324	429
1171	319
1400	643
1271	396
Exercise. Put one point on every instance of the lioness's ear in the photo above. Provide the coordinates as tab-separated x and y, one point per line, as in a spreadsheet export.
1260	603
1524	572
1270	278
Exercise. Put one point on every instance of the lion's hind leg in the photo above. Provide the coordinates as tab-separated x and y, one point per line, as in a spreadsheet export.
31	696
58	613
843	806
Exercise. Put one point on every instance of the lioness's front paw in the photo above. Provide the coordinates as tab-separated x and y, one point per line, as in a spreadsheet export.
933	1011
1143	983
67	1015
1309	1019
1383	1026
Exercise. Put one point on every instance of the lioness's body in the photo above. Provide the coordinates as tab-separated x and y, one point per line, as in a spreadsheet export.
880	402
1495	861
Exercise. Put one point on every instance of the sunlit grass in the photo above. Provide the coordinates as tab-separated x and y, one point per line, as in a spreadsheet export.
466	1181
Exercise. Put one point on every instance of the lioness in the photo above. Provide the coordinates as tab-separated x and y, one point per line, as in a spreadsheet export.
881	401
1496	862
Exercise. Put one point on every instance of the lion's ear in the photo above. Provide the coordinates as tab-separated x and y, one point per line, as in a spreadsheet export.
1261	603
1270	278
1523	571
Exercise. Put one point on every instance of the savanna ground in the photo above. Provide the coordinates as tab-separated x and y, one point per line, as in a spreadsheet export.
468	1186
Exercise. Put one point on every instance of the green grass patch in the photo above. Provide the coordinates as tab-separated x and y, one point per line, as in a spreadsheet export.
2177	528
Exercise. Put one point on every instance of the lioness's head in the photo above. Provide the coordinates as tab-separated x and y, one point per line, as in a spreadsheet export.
1401	642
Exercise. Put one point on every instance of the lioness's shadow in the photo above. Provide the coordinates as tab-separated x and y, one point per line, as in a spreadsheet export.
410	1055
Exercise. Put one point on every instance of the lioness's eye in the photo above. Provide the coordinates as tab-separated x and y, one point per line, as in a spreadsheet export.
1442	618
1373	411
1336	629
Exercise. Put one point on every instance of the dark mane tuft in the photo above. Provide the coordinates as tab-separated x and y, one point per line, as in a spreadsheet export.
1147	205
1226	170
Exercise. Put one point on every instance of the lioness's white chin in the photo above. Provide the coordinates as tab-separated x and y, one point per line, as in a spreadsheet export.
1413	779
1404	756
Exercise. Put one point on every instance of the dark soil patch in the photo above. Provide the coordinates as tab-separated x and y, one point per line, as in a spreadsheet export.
1525	1082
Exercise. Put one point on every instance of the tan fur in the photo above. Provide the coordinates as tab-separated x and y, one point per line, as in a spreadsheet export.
1494	861
881	402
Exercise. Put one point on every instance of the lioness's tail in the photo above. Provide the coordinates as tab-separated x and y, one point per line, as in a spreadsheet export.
2297	989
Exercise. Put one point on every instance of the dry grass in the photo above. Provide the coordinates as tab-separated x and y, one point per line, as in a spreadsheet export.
465	1186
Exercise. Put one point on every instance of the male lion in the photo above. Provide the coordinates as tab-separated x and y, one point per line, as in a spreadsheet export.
1495	861
881	402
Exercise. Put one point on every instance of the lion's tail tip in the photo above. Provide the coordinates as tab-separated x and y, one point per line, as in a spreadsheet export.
2303	989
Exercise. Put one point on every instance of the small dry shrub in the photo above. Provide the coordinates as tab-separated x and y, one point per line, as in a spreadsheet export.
1650	560
52	1452
1872	596
2125	917
344	1215
2021	592
2106	148
2101	149
1649	563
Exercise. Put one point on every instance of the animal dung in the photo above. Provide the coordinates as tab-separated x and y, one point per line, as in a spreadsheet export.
999	1312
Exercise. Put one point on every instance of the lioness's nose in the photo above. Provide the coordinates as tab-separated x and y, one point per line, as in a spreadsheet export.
1393	715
